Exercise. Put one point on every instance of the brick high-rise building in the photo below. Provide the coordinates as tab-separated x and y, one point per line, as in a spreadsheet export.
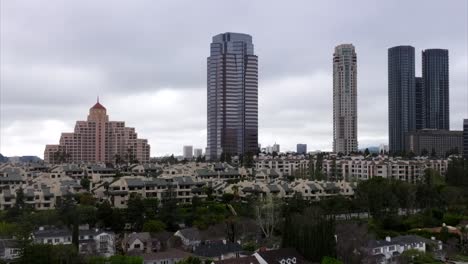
99	140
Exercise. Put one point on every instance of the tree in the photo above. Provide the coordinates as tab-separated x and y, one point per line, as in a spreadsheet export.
330	260
267	214
312	234
45	253
248	160
87	199
151	206
104	214
366	152
135	214
424	152
85	183
154	226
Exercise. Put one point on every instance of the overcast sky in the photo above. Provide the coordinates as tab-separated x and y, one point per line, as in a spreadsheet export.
147	62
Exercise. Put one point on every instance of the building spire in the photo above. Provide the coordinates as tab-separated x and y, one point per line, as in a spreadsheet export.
98	98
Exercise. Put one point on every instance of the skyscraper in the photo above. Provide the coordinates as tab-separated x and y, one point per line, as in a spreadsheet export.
401	96
345	99
419	103
99	140
232	96
435	74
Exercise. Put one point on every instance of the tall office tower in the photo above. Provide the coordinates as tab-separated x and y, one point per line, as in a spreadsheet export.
232	96
98	140
188	152
301	148
419	103
435	74
345	99
465	138
401	96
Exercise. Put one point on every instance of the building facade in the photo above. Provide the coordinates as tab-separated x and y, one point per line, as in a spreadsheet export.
401	96
465	138
198	152
99	140
232	126
301	148
419	110
435	74
434	141
345	99
188	152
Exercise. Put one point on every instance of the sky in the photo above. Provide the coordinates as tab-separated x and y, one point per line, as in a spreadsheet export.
146	60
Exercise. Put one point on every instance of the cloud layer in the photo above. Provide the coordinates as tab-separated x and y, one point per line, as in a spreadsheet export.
147	62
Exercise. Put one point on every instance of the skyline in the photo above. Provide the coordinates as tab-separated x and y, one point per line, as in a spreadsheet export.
295	83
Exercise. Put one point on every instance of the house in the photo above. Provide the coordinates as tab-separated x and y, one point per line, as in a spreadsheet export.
218	250
279	256
190	237
384	251
141	242
53	236
243	260
171	256
91	241
96	242
9	249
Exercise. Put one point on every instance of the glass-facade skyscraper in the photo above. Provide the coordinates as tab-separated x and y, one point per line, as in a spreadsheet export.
435	74
419	103
232	83
345	99
401	96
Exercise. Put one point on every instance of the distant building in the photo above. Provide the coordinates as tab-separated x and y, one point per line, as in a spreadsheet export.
383	148
276	148
99	140
432	140
232	126
188	152
345	99
198	152
401	96
465	138
301	148
435	74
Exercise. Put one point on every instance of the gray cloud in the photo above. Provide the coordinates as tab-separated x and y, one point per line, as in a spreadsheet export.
147	61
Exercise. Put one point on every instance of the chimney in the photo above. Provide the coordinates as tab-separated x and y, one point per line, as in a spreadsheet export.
41	228
432	238
388	239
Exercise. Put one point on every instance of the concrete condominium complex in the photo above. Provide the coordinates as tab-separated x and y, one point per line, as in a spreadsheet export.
232	83
435	74
401	96
99	140
345	99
